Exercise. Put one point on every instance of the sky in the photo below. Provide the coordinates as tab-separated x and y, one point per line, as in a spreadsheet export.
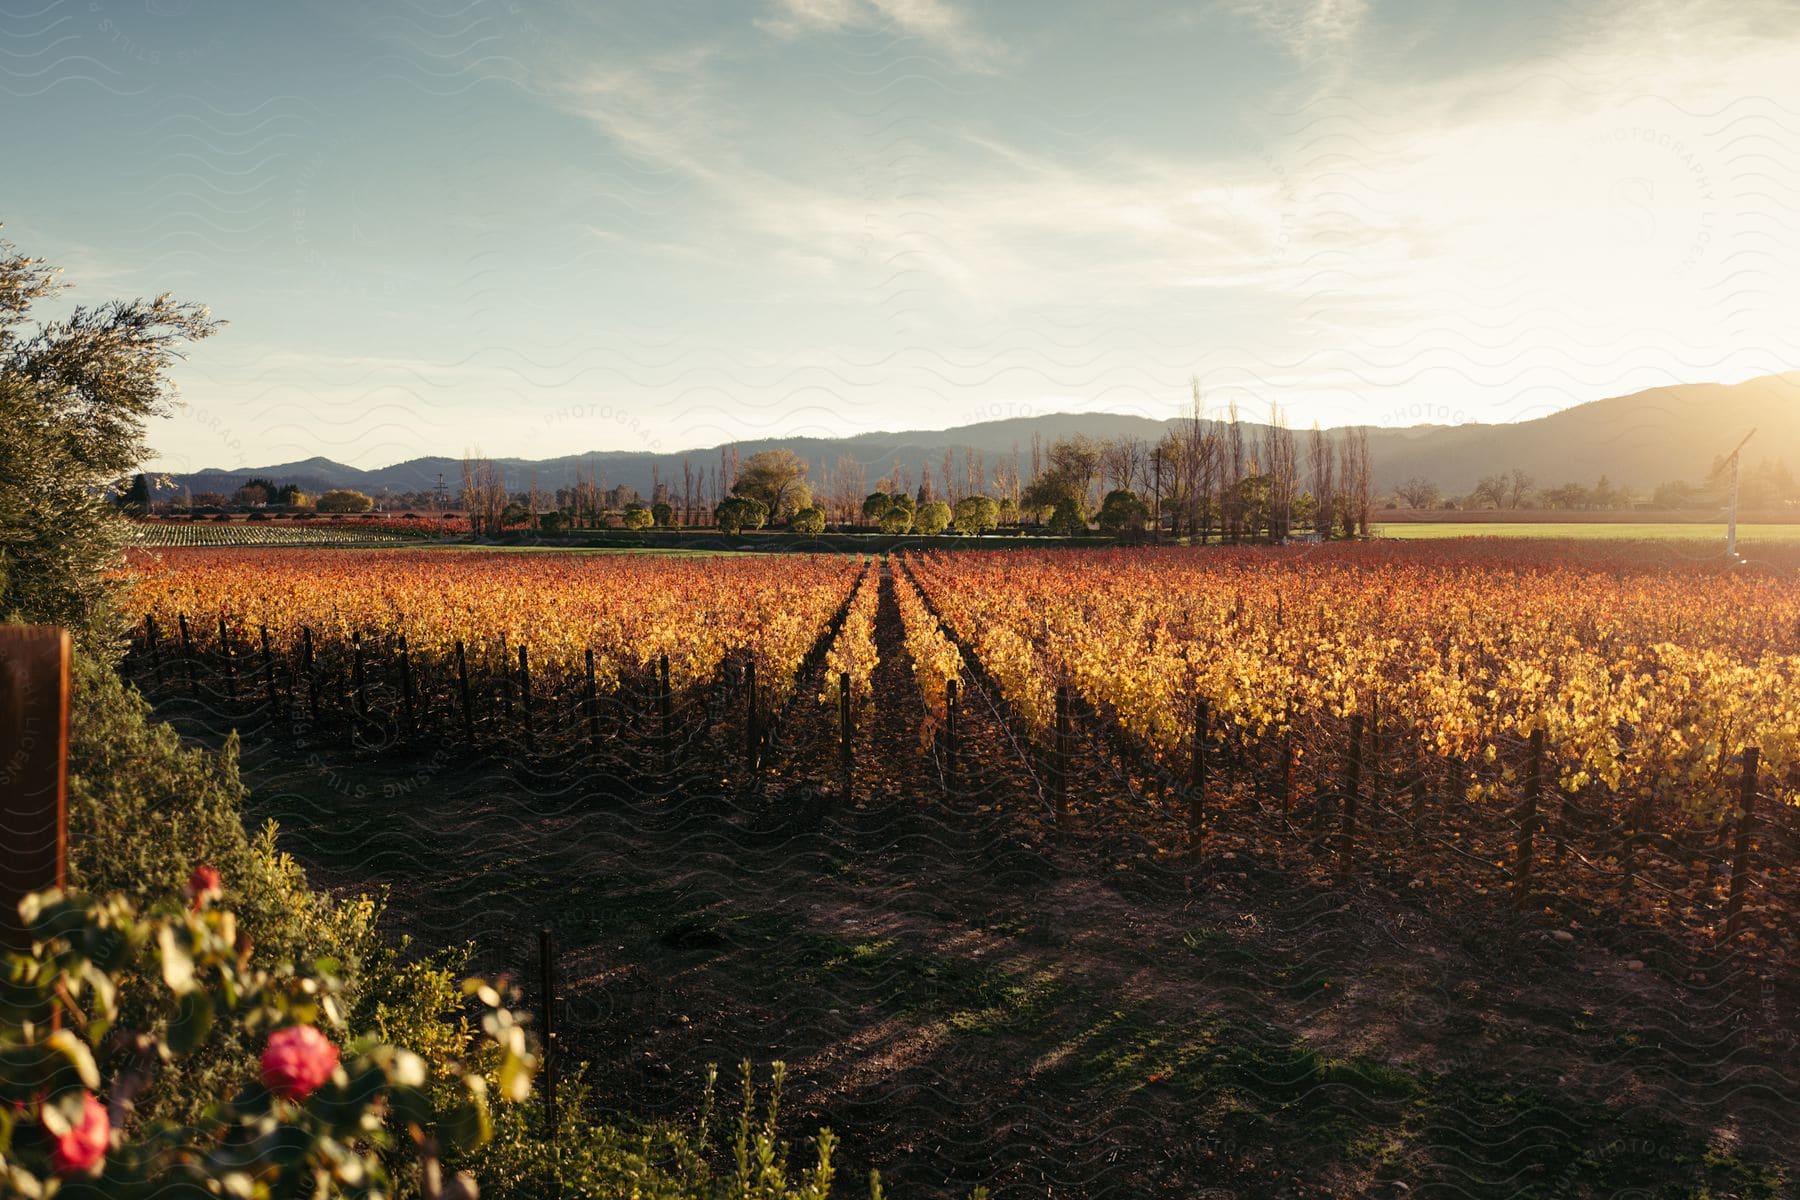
540	228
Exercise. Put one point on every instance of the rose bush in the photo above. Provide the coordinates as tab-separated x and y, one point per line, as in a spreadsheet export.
317	1119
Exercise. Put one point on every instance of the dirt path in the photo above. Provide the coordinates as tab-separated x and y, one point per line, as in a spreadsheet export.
967	999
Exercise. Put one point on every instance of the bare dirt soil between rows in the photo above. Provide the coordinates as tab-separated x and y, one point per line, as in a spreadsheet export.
968	997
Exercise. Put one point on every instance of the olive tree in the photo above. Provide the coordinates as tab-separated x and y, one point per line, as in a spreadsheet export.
75	393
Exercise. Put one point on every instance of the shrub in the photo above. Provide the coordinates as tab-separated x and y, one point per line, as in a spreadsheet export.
663	513
737	513
1122	511
306	1117
976	515
1067	518
809	520
933	517
637	516
344	500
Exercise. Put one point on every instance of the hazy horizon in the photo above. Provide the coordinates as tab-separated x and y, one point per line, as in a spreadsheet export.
435	229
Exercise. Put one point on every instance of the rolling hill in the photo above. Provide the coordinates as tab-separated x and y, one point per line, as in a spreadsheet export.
1639	440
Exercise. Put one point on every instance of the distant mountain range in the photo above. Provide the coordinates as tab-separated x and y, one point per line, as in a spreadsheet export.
1639	440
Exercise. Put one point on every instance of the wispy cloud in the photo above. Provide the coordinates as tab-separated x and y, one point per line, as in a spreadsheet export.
939	24
1307	29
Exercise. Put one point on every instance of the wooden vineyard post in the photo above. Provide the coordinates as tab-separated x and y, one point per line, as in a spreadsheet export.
752	734
1352	788
230	659
268	661
1418	806
1197	777
1746	827
547	1021
525	699
1059	743
845	763
312	676
34	745
593	704
187	653
1285	783
150	646
359	703
462	692
950	735
1372	768
1528	815
406	686
665	744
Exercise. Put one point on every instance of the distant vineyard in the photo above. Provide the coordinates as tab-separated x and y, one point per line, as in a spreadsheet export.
271	534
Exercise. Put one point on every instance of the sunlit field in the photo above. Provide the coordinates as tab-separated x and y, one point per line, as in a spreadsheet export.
1612	531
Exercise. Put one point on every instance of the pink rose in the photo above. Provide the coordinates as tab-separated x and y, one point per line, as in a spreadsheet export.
204	886
297	1060
82	1147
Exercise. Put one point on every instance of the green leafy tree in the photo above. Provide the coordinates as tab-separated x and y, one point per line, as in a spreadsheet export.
897	519
663	513
637	516
976	515
738	513
553	522
347	500
932	518
776	478
135	500
75	393
1122	512
810	520
1067	518
875	504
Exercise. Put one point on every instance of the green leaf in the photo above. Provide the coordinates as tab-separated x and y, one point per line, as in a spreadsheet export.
193	1020
72	1048
177	966
467	1126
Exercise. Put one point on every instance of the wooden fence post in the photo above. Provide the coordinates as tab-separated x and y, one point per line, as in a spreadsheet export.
312	676
950	735
1059	742
150	646
1528	816
1746	826
187	653
406	686
665	739
34	767
525	699
230	659
593	704
1352	789
1197	776
752	734
845	763
462	690
1285	784
359	706
268	661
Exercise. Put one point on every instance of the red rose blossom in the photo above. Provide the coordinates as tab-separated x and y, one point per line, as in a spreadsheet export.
297	1060
204	886
82	1147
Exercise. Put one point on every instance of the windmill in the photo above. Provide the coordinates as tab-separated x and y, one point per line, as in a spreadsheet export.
1735	461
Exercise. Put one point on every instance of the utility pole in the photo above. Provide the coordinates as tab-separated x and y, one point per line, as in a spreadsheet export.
1736	461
